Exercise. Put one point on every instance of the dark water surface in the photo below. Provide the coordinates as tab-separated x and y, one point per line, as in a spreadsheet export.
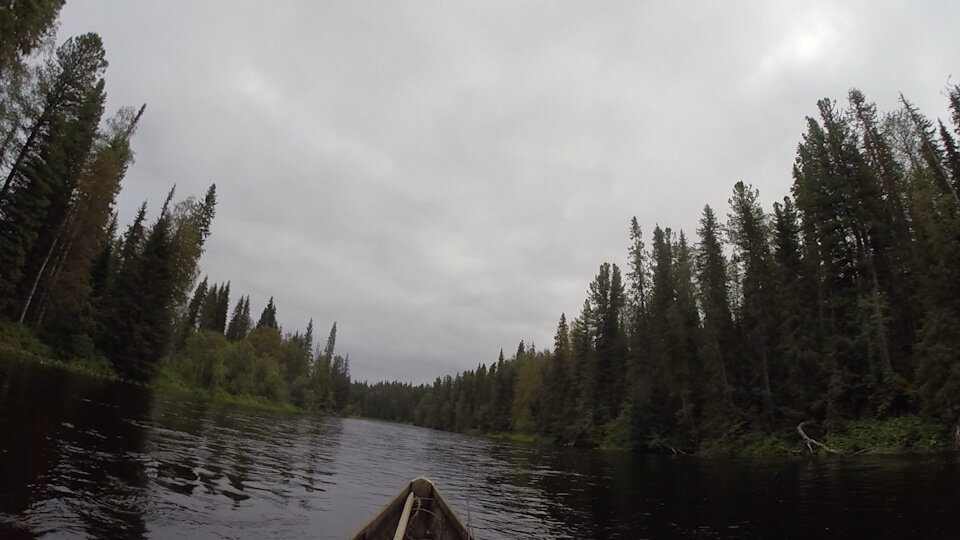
83	458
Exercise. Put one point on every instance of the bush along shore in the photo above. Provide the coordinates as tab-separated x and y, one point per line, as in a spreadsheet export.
20	344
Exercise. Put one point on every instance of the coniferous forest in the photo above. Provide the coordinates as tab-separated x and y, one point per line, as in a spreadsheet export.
112	300
840	303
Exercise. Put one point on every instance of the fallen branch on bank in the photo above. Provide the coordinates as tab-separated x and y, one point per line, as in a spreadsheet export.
670	447
810	441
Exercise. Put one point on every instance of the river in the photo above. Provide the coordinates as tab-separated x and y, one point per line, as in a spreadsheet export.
81	457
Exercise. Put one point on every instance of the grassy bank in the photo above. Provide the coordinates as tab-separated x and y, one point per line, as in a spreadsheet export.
526	438
23	344
19	342
167	381
904	434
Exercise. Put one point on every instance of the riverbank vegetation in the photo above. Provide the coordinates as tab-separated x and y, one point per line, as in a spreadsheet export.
78	291
839	308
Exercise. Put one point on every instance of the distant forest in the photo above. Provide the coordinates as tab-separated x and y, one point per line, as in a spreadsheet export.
842	303
73	288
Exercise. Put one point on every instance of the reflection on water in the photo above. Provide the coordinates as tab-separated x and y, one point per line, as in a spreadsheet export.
83	458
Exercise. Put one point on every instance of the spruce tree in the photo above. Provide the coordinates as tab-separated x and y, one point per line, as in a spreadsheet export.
558	401
138	322
747	232
714	298
240	322
192	317
268	318
223	305
71	90
24	25
62	297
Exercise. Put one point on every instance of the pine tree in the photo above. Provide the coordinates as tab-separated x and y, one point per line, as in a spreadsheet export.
558	399
223	304
63	166
583	374
139	321
208	310
192	221
673	321
606	298
796	310
60	295
636	312
340	381
24	25
71	90
714	298
192	317
747	232
240	322
269	316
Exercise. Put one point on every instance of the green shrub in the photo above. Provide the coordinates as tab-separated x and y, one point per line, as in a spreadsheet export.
19	339
894	435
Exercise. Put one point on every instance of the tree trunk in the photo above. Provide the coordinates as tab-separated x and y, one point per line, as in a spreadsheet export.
723	367
54	277
881	331
11	136
810	442
36	279
24	150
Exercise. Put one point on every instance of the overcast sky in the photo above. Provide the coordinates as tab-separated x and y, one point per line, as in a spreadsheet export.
444	179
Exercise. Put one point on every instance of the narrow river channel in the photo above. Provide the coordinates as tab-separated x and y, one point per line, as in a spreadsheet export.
80	458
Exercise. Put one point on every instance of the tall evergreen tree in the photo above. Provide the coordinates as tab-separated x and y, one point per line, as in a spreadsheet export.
139	319
71	90
192	317
59	296
269	316
747	232
63	166
610	347
713	294
24	25
240	321
191	225
209	310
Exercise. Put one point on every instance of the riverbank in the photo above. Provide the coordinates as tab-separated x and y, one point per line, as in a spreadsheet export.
20	343
901	435
166	381
908	434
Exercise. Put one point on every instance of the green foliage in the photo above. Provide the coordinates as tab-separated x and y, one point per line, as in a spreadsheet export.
905	433
41	178
24	25
19	339
269	316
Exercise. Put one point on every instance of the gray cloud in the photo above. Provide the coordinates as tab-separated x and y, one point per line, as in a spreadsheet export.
444	179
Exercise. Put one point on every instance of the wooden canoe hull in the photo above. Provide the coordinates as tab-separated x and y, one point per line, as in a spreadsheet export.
430	516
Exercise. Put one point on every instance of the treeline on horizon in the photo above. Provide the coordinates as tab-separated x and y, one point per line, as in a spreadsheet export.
842	303
115	303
